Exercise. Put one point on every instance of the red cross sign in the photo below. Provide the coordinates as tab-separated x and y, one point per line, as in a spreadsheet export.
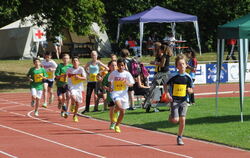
39	35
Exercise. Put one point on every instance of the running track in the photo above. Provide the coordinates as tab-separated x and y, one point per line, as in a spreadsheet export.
49	135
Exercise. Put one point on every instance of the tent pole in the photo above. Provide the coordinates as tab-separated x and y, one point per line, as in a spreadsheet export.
196	26
241	74
141	36
220	54
118	32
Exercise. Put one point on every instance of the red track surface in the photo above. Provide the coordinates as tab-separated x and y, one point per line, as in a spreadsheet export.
49	135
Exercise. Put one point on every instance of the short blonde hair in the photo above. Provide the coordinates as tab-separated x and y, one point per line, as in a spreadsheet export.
180	57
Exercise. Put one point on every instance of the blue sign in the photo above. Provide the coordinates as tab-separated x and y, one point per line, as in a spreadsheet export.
211	73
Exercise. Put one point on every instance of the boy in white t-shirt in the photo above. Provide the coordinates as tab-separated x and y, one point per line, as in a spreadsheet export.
50	66
120	80
76	75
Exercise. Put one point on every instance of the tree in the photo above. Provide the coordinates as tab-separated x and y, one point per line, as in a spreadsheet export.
56	16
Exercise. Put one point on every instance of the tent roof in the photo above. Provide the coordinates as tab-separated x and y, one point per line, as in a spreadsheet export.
158	14
239	28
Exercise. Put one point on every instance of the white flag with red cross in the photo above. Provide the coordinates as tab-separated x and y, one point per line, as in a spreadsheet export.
39	35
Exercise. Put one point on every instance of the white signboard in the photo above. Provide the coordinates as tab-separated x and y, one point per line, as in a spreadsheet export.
200	75
233	72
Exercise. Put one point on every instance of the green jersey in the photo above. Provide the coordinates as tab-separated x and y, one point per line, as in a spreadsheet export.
105	82
61	70
37	76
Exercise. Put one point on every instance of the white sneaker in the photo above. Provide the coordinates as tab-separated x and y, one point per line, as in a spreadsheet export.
36	113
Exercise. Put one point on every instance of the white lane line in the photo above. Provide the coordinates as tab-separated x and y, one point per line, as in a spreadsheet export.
110	137
17	114
51	141
224	92
4	153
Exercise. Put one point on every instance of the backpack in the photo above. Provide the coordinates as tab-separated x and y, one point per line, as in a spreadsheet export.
144	70
135	68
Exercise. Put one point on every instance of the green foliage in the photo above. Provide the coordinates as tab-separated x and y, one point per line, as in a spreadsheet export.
210	14
57	16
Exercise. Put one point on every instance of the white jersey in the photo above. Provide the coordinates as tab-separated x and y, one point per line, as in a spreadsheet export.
73	82
118	84
50	65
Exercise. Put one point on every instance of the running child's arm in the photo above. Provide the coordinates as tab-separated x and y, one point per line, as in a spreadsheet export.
29	76
103	65
86	68
168	94
190	90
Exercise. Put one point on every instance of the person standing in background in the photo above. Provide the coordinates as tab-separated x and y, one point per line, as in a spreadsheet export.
191	70
231	43
58	42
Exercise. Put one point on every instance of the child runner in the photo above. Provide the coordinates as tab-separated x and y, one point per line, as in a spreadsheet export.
62	86
76	75
50	67
120	80
92	68
112	110
36	75
179	85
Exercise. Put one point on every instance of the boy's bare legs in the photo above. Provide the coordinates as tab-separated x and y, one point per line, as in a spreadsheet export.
121	115
182	122
36	106
45	94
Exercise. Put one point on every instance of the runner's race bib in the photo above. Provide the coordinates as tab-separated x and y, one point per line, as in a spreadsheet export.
119	86
180	90
50	74
38	77
74	80
92	77
63	78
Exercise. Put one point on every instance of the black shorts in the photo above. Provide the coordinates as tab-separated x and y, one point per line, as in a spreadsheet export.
111	104
50	83
62	90
130	88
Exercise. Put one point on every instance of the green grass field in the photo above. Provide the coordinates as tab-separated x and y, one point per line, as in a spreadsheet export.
201	122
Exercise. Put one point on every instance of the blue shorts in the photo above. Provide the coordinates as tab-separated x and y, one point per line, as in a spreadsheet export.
62	90
50	83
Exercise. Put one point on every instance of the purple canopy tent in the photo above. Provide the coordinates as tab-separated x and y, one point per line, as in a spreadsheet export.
158	14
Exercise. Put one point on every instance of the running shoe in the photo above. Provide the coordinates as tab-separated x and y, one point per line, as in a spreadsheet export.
32	103
66	114
180	141
72	108
75	118
112	126
51	99
64	107
62	114
44	105
36	113
117	129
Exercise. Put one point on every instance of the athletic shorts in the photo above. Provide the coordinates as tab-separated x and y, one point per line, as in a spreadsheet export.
124	102
36	93
111	104
62	90
178	109
78	95
130	89
50	83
